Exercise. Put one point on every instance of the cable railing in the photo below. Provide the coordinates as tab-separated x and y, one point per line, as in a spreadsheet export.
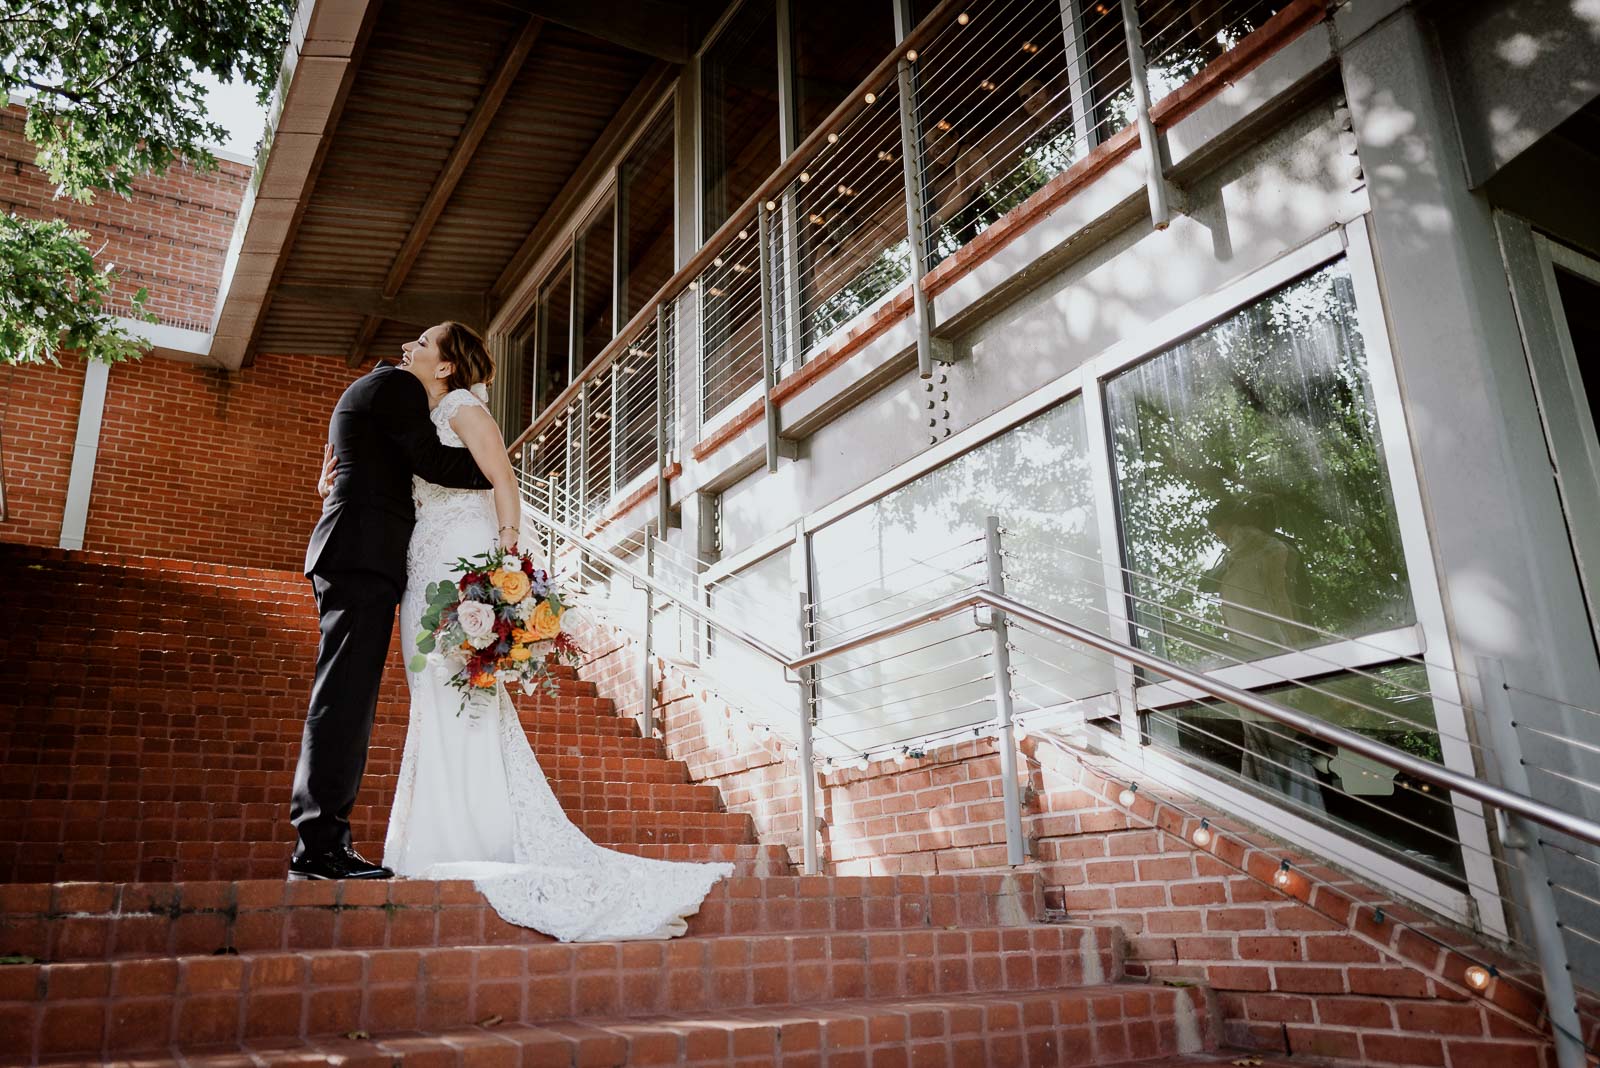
977	108
970	660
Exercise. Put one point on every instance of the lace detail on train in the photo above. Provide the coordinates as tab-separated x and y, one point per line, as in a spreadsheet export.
471	801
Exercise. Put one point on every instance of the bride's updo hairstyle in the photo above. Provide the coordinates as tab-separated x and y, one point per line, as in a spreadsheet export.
468	357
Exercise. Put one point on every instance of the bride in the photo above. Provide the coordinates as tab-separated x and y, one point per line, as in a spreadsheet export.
472	801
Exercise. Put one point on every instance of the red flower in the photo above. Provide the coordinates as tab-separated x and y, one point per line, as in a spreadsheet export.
527	565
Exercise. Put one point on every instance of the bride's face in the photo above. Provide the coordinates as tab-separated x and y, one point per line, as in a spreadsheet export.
422	357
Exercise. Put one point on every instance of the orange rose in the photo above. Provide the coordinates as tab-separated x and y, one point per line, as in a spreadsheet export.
545	623
520	636
513	585
483	680
520	653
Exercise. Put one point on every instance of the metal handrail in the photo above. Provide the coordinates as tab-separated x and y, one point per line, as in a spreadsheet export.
1509	801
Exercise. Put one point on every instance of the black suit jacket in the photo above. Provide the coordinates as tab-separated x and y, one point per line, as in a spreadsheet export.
382	435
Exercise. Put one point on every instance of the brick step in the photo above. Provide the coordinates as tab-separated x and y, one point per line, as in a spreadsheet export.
23	741
161	862
129	1006
575	723
218	785
286	744
279	690
49	822
134	763
1063	1028
102	921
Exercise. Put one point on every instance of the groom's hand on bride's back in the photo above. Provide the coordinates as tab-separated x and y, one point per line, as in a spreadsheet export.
330	465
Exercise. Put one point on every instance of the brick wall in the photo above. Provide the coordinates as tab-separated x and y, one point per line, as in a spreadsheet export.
170	236
1306	969
212	465
38	421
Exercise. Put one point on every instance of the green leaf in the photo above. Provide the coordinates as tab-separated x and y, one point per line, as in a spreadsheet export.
425	644
418	664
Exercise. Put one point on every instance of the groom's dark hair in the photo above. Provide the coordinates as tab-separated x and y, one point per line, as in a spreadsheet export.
468	357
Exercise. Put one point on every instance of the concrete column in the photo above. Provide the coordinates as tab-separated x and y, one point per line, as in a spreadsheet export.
85	447
1499	539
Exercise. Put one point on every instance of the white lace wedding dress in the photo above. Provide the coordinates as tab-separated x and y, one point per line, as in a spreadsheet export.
472	801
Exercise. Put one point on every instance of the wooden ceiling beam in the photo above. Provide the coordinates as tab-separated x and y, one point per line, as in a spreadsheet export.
455	166
656	28
444	186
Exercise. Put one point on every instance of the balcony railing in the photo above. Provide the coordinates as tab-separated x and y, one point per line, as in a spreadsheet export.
978	108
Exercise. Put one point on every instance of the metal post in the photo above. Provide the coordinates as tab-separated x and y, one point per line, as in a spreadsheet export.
769	362
647	722
808	769
1155	172
663	492
928	347
1085	131
550	489
1525	855
581	485
996	625
616	421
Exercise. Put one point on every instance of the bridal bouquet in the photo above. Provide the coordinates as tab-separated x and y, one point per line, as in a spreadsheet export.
500	622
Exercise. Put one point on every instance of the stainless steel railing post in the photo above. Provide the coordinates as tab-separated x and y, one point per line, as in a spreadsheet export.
928	346
769	359
1520	839
663	492
1155	170
1016	852
808	768
647	721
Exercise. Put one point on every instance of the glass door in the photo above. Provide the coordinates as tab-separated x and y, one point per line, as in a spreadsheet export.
1565	362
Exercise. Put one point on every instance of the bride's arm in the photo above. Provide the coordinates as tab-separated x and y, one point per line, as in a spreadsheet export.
481	435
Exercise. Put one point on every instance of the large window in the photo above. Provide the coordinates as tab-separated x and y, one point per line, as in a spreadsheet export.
594	303
923	542
645	202
1255	508
555	336
738	112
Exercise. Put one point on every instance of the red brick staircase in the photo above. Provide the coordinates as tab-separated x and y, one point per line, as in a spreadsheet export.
150	716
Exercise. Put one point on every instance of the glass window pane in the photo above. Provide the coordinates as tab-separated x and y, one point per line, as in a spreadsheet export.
1388	810
923	542
738	112
1255	504
595	286
644	211
555	337
836	45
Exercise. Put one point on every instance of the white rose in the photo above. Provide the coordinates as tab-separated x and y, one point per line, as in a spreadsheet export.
512	564
476	619
483	641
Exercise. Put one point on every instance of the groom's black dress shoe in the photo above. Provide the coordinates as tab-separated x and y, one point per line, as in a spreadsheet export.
343	863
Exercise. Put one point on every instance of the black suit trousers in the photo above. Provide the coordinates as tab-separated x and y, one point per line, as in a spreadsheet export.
356	609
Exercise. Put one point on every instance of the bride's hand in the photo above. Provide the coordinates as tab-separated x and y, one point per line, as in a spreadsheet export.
330	464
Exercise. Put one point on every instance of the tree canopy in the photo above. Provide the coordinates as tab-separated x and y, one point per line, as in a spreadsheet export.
113	92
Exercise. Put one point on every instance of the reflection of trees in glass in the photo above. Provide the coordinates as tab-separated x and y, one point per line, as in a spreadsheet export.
1389	704
883	273
1266	421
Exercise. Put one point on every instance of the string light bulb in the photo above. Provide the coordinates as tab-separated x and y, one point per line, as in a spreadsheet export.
833	138
744	235
1128	795
987	86
772	205
871	98
1478	977
1029	47
1282	878
1202	834
805	176
963	18
911	55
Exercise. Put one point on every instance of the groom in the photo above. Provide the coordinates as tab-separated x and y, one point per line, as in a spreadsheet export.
379	436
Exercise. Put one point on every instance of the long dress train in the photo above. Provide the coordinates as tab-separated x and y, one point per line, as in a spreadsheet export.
472	802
